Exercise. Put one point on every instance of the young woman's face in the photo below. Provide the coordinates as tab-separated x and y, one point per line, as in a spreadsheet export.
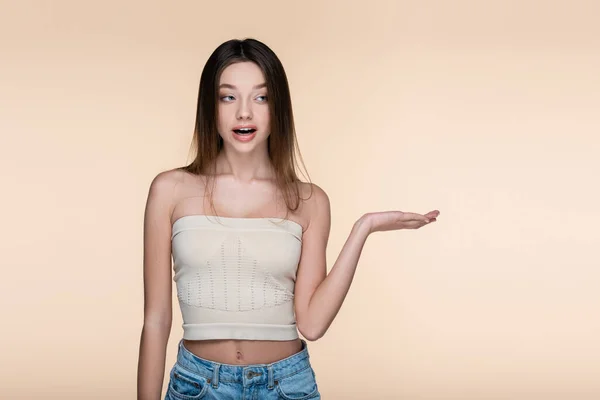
243	109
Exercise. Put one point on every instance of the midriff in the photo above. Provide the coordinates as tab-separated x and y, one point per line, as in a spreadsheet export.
243	352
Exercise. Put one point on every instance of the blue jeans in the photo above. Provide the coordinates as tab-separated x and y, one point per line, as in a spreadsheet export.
193	378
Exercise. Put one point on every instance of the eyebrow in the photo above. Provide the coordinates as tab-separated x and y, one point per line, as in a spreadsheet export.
228	86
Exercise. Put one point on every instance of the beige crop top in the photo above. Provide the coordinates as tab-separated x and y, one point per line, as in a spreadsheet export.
235	276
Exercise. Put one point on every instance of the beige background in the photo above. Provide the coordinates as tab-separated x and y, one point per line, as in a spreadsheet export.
485	110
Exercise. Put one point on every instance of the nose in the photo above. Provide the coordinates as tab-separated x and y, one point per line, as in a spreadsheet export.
244	110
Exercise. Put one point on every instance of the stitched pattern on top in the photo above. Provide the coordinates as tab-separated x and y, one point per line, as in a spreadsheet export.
237	276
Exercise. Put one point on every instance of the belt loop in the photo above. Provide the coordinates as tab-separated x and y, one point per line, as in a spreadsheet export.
271	383
215	378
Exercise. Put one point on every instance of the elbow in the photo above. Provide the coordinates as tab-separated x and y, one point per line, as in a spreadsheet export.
157	322
311	332
157	326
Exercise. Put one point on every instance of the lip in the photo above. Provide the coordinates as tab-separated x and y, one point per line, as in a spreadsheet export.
244	126
244	138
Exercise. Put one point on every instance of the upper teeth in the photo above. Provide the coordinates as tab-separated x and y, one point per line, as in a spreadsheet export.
245	129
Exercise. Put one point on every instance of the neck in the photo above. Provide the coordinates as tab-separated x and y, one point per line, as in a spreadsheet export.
245	167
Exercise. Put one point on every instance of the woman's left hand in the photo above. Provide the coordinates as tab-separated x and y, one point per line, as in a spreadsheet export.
394	220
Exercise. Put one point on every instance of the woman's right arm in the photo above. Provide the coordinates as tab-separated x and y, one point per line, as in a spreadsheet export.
157	287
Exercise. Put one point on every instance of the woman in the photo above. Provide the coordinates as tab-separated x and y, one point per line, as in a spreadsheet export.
248	239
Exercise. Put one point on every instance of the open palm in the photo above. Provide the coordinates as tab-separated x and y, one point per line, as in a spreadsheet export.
394	220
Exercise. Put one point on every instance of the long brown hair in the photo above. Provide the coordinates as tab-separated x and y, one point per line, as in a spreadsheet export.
282	143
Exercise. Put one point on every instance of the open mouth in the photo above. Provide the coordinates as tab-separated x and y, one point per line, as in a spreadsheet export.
245	131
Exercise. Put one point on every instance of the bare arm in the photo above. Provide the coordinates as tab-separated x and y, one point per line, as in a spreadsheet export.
319	296
157	289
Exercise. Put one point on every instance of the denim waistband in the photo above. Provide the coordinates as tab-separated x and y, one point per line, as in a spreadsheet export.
217	372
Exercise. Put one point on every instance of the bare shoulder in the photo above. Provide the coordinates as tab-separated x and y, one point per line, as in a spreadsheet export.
162	192
167	180
316	204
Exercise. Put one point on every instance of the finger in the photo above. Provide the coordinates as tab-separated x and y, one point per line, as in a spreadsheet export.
414	224
432	214
415	217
